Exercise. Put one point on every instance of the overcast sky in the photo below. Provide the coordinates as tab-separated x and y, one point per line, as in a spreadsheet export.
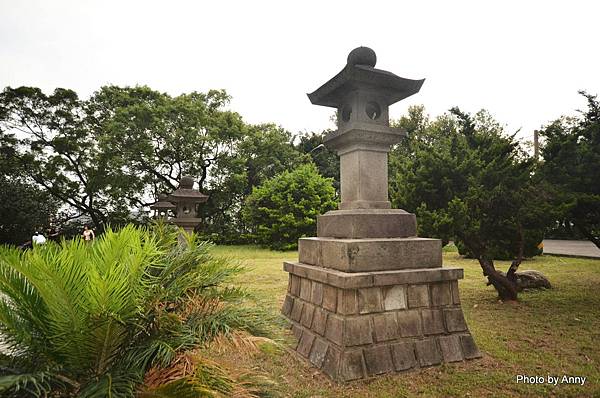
524	61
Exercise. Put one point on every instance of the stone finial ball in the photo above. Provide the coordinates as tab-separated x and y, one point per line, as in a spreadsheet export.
186	182
362	56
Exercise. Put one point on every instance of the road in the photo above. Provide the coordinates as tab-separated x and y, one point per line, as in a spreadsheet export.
579	248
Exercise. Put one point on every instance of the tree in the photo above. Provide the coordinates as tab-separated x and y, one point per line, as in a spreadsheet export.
326	160
467	181
285	207
571	165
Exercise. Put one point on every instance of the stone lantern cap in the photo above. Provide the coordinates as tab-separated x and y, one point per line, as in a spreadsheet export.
186	192
162	204
360	73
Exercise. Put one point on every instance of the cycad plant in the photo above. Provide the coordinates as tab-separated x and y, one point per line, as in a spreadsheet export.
89	320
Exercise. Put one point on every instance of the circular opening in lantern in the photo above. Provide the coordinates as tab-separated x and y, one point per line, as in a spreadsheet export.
373	110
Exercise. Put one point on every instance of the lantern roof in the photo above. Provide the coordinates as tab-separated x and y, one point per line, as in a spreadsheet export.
186	192
360	74
162	203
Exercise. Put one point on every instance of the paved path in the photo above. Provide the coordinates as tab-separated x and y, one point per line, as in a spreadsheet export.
579	248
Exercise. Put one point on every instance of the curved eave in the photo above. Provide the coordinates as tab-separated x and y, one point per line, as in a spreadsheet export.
394	88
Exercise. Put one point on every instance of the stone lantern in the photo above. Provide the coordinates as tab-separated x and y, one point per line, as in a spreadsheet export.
162	207
368	296
186	200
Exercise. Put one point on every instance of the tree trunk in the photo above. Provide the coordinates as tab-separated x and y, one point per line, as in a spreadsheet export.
507	290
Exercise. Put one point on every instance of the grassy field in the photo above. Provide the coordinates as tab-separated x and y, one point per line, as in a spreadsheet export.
554	332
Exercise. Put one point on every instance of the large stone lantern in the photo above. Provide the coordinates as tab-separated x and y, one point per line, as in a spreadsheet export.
368	296
162	207
186	200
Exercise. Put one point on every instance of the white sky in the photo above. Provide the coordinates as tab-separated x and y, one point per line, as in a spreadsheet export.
522	60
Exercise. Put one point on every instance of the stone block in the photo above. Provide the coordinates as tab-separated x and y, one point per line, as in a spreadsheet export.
455	292
455	320
357	331
409	322
318	351
308	251
440	294
413	277
394	298
316	295
297	333
295	285
386	326
469	347
403	355
433	321
307	315
331	362
351	365
319	321
305	289
347	301
428	352
451	349
361	255
286	308
329	298
378	360
370	300
418	296
296	310
334	329
361	224
306	342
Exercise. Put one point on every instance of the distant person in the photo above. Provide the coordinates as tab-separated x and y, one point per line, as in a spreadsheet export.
87	234
38	239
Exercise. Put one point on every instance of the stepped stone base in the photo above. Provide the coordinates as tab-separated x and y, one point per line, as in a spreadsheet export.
357	325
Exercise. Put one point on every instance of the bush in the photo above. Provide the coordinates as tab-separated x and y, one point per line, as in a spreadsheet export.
91	319
286	207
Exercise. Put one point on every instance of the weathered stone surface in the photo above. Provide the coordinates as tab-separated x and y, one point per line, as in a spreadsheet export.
360	255
370	300
418	296
288	302
455	320
306	342
295	285
409	322
386	326
296	310
347	301
428	352
361	224
404	356
353	280
305	289
469	347
307	315
532	279
308	251
335	329
394	298
440	294
332	362
329	298
451	349
319	321
317	353
378	360
455	292
357	331
297	333
433	321
351	365
316	295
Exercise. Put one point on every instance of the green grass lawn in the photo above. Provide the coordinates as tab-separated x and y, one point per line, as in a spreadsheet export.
553	332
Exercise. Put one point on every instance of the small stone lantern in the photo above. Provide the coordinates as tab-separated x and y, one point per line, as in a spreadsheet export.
162	207
368	296
186	200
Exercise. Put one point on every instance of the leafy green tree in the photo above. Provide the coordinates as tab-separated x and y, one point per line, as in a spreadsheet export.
468	182
326	160
285	207
571	165
89	320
